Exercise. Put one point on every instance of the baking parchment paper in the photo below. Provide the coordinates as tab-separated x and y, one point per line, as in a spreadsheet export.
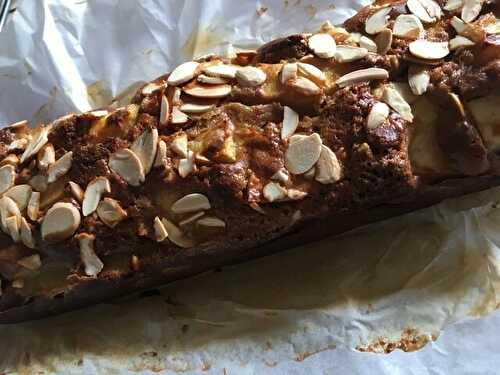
322	308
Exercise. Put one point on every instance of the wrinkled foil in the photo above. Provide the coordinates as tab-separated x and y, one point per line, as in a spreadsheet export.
412	286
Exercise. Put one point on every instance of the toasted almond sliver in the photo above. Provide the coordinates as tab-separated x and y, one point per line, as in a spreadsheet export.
458	24
46	156
161	154
145	148
191	219
191	203
7	177
407	26
323	45
12	226
432	8
76	191
176	236
368	44
328	168
384	41
301	155
98	113
288	72
295	194
221	70
208	91
92	264
164	110
377	116
26	234
362	75
453	5
20	194
460	42
33	206
211	222
8	208
178	117
176	97
281	176
418	79
11	159
180	144
429	50
37	142
396	101
311	72
274	192
349	53
290	122
195	108
471	10
416	7
183	73
95	189
31	262
18	144
377	21
405	91
128	166
304	86
110	212
160	232
250	76
60	222
150	88
186	166
39	182
211	80
60	167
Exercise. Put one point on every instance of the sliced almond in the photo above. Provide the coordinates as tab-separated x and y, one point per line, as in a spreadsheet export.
164	110
12	227
418	79
191	203
407	26
98	113
18	144
405	91
295	194
7	177
150	88
76	191
349	53
471	10
186	166
429	50
18	283
161	154
290	122
377	21
208	91
34	206
221	70
178	117
183	73
288	72
396	101
191	219
110	212
91	262
11	159
362	75
144	147
384	41
304	86
416	7
37	142
458	24
211	80
323	45
23	124
452	5
194	108
8	208
95	189
311	72
60	222
176	236
39	182
377	116
211	222
176	97
303	154
31	262
128	166
26	234
250	76
20	194
328	168
160	232
60	167
460	42
368	44
274	192
281	176
46	157
432	8
180	144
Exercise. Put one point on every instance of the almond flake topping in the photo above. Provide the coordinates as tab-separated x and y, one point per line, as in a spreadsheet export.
60	222
407	26
368	44
76	191
20	194
377	21
429	50
250	76
191	203
191	219
186	166
311	72
37	142
194	108
384	41
453	5
471	9
160	232
290	122
460	42
432	8
281	176
302	154
161	154
328	168
362	75
38	182
31	262
418	79
144	147
208	91
7	177
377	116
11	159
46	157
211	80
95	189
274	192
323	45
183	73
176	236
110	212
92	264
26	234
288	72
18	144
60	167
395	100
211	222
418	9
150	88
8	208
221	70
164	110
180	144
128	166
33	206
304	86
12	226
178	117
295	194
349	53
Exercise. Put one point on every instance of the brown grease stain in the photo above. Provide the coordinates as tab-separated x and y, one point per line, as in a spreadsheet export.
200	40
99	94
410	341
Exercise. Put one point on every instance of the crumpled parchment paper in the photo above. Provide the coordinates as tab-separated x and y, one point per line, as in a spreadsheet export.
322	308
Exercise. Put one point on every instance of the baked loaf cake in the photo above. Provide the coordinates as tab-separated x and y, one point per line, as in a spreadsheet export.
229	158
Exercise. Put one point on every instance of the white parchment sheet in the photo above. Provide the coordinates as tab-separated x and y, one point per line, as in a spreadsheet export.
415	282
